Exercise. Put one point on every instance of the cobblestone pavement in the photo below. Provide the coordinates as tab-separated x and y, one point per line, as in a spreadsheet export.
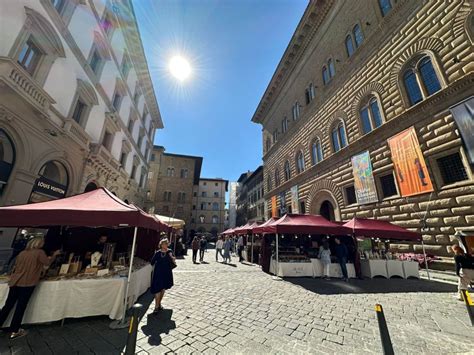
217	308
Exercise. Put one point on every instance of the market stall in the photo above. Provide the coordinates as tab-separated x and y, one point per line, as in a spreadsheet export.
111	282
376	258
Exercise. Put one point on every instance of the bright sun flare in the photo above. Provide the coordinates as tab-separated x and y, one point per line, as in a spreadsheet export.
179	68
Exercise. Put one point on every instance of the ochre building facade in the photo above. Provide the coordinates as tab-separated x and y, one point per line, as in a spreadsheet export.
356	74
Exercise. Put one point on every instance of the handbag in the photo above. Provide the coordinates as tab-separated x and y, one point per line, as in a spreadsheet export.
172	262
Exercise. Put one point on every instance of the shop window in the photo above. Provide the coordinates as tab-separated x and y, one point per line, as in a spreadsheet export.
370	115
300	166
7	159
385	7
29	56
388	186
287	171
350	195
420	80
452	169
316	151
338	137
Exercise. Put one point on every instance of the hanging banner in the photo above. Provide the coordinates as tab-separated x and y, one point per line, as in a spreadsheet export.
295	208
364	183
463	114
274	207
282	203
409	164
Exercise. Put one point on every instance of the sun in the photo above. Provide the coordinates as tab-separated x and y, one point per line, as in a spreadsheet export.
180	68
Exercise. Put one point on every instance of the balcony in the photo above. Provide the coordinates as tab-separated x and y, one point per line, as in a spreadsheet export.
20	81
76	132
101	156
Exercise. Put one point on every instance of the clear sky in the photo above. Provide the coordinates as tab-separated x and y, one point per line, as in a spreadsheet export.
233	47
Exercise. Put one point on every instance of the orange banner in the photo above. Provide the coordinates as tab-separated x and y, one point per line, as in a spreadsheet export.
409	164
274	207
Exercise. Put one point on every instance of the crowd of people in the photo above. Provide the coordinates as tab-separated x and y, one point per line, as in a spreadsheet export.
225	248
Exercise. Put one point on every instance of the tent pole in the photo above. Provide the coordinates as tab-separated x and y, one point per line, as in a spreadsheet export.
276	277
130	268
426	262
251	258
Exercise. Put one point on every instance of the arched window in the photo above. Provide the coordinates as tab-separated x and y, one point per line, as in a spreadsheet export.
287	171
420	80
300	162
349	45
338	137
332	70
370	115
385	7
215	219
358	36
7	159
316	151
269	183
277	177
325	75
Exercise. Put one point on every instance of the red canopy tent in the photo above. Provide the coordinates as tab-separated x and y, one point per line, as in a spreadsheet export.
248	228
380	229
237	230
228	231
259	229
303	223
97	208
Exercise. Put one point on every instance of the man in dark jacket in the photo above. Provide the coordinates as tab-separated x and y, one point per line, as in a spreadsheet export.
202	248
341	254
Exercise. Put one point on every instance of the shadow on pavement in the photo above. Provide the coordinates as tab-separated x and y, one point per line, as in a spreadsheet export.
377	285
229	264
158	324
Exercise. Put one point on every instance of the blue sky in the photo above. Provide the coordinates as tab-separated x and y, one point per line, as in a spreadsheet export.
234	47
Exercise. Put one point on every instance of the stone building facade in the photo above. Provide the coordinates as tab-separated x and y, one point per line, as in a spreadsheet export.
209	210
77	105
234	188
251	199
171	183
354	75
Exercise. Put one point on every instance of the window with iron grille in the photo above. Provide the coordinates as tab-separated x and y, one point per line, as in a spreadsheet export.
452	169
387	182
350	195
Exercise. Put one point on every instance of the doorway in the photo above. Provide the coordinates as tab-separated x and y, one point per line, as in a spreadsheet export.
327	211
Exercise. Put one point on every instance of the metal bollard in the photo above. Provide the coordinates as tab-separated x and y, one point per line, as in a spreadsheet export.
384	334
132	330
469	305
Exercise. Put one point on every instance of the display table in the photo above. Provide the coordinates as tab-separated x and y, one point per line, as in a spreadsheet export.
410	269
292	269
334	270
371	268
395	268
57	300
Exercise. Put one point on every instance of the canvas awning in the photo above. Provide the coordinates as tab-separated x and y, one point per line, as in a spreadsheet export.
228	231
97	208
304	224
247	228
237	230
373	228
259	229
172	222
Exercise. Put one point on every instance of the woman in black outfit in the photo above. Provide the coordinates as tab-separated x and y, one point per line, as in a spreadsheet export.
162	279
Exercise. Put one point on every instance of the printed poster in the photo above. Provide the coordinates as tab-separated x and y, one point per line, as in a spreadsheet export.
274	206
364	183
409	164
295	208
463	114
282	203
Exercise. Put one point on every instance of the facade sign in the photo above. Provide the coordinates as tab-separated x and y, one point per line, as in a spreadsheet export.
274	206
463	114
49	188
295	208
364	183
409	164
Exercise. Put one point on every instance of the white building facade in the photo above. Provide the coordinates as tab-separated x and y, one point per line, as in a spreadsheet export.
233	193
77	105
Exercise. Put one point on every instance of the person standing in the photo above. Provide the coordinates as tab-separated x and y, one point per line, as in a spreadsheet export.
202	248
26	275
195	248
325	257
341	254
240	247
464	269
219	247
162	280
227	249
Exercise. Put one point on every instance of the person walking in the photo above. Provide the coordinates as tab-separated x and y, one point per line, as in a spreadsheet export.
195	248
464	269
202	248
27	270
325	257
341	254
227	249
240	247
164	262
219	247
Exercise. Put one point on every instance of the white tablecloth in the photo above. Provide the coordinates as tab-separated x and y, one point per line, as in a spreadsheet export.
371	268
395	268
292	269
334	270
56	300
410	269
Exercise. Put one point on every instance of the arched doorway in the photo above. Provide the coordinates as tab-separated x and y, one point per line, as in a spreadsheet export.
7	159
91	187
327	211
52	183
